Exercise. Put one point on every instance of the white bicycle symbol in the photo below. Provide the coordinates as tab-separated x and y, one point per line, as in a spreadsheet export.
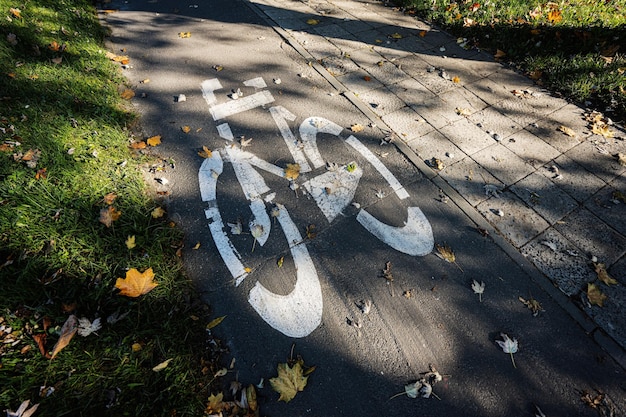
298	313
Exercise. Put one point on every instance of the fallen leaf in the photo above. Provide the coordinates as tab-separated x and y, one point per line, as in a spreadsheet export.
532	304
289	382
40	339
423	33
154	140
130	242
136	283
446	253
312	22
310	232
205	152
292	171
499	54
127	94
184	34
463	111
602	129
196	246
158	213
603	275
257	231
17	13
436	163
215	404
23	410
87	327
109	198
138	145
69	329
218	68
162	365
535	75
456	80
356	128
396	36
555	16
185	129
568	131
41	174
478	289
54	46
280	262
108	215
508	346
595	296
136	347
215	322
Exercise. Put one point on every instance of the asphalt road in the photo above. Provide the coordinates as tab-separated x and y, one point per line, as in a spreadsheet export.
364	204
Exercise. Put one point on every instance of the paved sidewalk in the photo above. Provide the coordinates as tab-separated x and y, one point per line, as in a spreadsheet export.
487	133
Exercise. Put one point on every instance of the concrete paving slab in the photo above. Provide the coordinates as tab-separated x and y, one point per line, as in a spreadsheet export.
469	179
594	237
596	155
338	65
495	124
387	72
561	261
545	197
407	123
454	67
503	163
355	27
426	74
413	44
364	57
390	50
513	219
547	127
467	136
382	101
609	205
411	92
518	111
316	45
530	148
610	317
572	178
435	145
359	82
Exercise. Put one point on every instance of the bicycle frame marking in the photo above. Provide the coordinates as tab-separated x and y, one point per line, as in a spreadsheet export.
298	313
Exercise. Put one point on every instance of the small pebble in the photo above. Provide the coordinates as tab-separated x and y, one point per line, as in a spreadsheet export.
496	137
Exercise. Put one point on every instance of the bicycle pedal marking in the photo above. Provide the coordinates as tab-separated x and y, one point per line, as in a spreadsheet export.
298	313
415	238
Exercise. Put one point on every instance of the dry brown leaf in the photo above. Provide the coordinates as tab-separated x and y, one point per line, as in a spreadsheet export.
69	329
447	254
54	46
532	304
499	54
292	171
602	129
185	129
595	296
205	152
127	94
603	275
136	283
108	215
568	131
154	140
109	198
356	128
310	232
215	322
215	404
423	33
463	112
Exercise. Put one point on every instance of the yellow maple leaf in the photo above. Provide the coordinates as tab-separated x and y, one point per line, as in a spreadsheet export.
456	80
595	296
356	128
292	171
109	198
130	242
158	212
186	129
555	16
184	34
289	381
138	145
154	140
215	404
312	22
602	129
136	283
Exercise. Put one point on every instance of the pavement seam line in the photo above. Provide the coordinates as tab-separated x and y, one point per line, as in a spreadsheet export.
605	341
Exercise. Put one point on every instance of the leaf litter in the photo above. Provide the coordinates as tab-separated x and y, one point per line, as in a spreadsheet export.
446	253
509	346
423	387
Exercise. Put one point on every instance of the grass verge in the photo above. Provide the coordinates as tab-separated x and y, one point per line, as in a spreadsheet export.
64	160
574	47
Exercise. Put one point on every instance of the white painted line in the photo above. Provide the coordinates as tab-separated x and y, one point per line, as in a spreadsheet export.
252	183
261	218
380	167
298	313
415	238
257	82
224	131
280	115
334	190
308	132
207	177
222	111
208	87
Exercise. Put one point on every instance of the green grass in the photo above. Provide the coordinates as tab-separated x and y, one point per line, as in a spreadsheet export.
57	259
569	46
